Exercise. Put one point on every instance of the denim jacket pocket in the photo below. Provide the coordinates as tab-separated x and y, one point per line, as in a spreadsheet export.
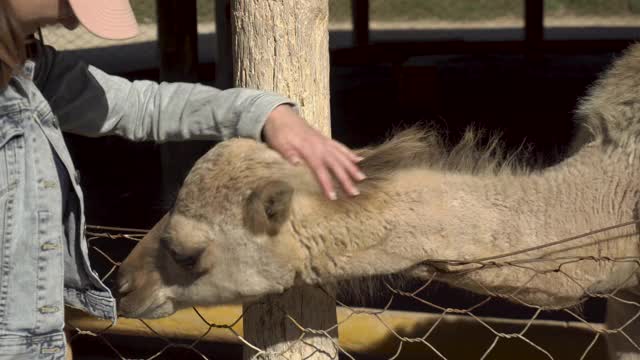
11	156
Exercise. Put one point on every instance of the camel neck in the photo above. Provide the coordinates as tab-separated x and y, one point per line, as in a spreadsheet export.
424	214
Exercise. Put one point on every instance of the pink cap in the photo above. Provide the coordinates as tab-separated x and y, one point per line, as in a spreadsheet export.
109	19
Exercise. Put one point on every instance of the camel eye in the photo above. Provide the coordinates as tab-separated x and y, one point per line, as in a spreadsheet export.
186	261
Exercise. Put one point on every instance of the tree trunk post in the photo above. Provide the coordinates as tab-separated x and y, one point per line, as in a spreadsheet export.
283	46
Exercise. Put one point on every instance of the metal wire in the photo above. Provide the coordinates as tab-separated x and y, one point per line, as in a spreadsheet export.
418	295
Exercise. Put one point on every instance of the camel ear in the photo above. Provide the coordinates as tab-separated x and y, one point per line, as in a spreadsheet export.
267	207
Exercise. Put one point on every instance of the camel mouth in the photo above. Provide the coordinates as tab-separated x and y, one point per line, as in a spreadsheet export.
145	304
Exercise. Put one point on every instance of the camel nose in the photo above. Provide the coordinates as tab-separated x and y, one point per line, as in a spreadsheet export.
124	287
123	283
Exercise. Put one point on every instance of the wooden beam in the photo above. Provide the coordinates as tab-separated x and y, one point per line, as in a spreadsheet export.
371	332
398	52
178	48
534	23
224	63
178	39
360	19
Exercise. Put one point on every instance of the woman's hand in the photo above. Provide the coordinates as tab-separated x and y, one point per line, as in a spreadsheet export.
287	133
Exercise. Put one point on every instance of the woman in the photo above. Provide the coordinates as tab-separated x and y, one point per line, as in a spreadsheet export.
43	253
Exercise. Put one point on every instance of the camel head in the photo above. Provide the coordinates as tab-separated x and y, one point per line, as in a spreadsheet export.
225	240
246	223
229	236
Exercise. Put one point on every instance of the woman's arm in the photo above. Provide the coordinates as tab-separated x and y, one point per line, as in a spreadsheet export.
90	102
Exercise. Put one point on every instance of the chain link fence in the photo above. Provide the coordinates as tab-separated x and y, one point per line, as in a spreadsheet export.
390	15
146	14
431	330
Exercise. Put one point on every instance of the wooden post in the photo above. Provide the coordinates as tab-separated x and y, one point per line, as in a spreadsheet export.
178	40
178	49
534	24
224	63
360	19
283	46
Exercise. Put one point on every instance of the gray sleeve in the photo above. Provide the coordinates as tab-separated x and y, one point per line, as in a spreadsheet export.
89	102
145	110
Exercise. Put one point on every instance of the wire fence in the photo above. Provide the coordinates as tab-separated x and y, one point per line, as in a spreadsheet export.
397	14
427	336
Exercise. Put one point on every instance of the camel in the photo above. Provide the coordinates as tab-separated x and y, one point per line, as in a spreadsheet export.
247	223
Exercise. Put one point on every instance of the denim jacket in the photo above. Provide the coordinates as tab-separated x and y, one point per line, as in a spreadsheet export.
44	262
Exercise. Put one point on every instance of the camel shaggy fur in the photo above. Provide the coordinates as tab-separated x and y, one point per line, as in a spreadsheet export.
247	223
